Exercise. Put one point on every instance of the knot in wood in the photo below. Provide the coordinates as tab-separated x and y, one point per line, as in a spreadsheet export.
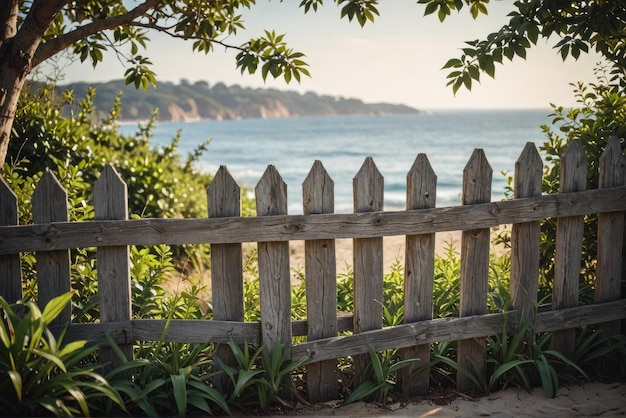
51	235
378	220
293	228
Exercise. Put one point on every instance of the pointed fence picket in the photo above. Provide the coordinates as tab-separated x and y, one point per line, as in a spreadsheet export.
321	279
10	269
569	241
51	237
53	267
419	275
474	267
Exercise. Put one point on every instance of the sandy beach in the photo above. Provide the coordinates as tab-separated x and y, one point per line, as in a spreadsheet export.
585	400
393	250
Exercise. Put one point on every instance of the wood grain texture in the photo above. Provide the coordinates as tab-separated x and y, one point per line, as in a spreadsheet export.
525	237
367	261
53	267
418	275
10	268
320	272
569	241
110	201
63	235
477	176
271	199
224	200
402	336
610	234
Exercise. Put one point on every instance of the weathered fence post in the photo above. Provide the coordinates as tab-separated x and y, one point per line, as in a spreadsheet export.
368	189
477	176
10	269
610	234
419	272
569	237
224	198
525	238
274	276
110	201
320	272
53	267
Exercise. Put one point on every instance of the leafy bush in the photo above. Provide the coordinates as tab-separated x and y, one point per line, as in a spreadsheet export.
601	114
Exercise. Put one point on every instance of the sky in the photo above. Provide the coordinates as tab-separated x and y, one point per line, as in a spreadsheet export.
397	59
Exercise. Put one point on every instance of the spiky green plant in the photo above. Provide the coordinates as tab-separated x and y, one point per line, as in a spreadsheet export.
380	375
39	372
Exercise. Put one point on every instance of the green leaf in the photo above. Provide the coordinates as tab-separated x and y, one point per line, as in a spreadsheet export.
16	380
55	307
179	389
564	51
430	8
362	391
453	63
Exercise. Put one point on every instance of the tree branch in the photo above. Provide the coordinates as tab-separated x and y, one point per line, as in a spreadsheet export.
62	42
166	31
8	19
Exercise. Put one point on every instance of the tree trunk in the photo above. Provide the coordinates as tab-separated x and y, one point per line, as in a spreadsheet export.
17	57
12	79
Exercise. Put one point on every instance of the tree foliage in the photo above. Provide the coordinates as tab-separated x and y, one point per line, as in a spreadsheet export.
33	31
600	115
578	26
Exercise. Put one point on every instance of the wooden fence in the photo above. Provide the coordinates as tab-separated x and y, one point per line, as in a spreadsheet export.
51	236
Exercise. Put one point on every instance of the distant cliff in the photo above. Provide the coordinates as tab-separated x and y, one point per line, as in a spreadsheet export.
193	101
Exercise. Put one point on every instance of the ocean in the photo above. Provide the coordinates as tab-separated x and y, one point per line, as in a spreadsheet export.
342	143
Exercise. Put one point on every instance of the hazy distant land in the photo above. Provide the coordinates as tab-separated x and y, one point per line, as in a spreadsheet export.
195	101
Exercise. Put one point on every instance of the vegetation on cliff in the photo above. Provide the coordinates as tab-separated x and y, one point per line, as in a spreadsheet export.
199	100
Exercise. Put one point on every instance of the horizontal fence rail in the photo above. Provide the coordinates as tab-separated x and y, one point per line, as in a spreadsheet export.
65	235
111	233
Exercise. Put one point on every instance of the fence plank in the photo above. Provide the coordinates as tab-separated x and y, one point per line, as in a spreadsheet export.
10	269
271	199
53	267
320	272
449	329
110	201
224	200
64	235
368	189
610	233
525	237
477	176
419	272
569	236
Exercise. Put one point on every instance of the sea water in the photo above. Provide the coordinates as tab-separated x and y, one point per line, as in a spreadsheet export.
448	138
